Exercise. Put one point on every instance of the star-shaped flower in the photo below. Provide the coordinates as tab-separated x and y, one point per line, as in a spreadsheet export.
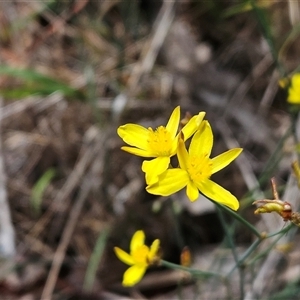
160	143
140	258
196	168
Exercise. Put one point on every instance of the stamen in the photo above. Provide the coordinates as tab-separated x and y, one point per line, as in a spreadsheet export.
140	255
160	141
199	168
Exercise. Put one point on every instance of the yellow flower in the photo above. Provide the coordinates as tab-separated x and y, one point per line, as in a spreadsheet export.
196	169
140	258
294	90
160	143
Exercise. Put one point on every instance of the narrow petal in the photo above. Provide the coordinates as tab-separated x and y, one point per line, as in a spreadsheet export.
182	154
294	90
192	191
217	193
153	250
133	275
155	167
123	256
170	182
202	141
221	161
296	80
173	122
134	135
138	152
174	146
137	240
192	125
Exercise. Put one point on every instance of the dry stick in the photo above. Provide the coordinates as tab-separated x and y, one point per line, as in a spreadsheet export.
74	178
269	95
7	232
148	56
37	103
150	51
242	161
65	239
294	11
246	84
247	172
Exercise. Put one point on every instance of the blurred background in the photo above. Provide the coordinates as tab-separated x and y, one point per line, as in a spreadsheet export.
71	72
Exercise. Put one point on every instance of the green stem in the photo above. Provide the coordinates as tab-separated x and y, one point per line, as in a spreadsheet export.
265	28
228	234
194	272
240	219
282	231
245	255
263	253
95	260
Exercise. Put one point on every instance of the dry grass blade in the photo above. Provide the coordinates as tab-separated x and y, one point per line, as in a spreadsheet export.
7	232
36	103
65	240
150	51
148	55
242	162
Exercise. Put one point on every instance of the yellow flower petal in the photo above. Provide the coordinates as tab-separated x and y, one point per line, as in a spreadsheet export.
153	250
137	240
202	141
155	167
192	191
123	256
173	122
134	135
294	90
182	154
170	182
192	125
138	152
133	275
221	161
217	193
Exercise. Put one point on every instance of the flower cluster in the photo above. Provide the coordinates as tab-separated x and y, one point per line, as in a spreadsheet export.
195	165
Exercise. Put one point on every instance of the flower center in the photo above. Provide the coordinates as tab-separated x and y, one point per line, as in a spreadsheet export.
160	141
199	168
140	254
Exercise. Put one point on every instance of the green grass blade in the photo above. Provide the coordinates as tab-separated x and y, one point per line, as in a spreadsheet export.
34	83
95	260
39	189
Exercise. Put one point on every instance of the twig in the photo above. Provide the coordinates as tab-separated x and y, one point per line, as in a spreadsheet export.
269	95
37	103
60	200
242	162
7	233
150	50
65	240
148	56
294	11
